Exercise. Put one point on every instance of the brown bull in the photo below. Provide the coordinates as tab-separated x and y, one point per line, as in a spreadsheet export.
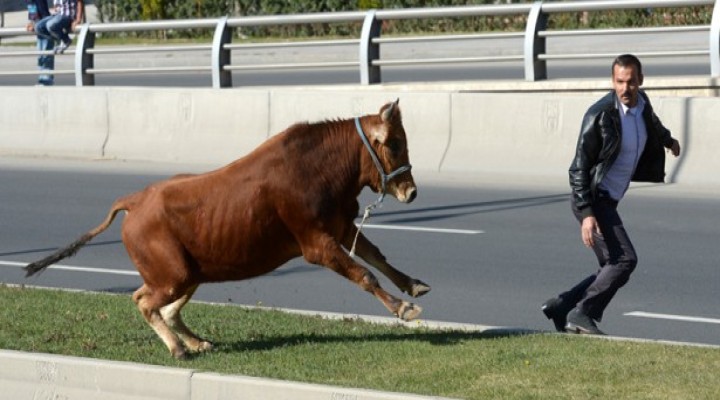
295	195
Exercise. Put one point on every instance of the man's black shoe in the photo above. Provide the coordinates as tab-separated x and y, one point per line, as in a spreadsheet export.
578	322
555	310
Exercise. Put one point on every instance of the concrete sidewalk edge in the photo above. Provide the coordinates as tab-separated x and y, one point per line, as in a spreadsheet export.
32	376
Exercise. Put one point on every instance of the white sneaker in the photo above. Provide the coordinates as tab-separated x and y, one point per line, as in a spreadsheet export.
59	49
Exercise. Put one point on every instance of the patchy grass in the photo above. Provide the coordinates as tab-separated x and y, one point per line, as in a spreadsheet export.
352	353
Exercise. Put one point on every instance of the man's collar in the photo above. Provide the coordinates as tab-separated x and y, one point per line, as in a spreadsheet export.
639	107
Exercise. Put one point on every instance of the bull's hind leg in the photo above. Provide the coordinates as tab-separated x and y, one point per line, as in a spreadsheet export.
372	255
328	252
171	315
149	302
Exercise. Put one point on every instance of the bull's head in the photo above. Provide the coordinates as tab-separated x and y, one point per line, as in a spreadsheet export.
388	148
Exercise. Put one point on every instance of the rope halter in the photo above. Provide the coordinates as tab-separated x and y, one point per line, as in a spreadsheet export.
384	179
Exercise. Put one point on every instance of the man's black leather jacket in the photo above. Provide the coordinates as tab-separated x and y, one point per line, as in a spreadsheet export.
599	145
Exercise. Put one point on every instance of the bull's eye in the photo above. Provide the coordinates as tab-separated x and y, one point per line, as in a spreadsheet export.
394	146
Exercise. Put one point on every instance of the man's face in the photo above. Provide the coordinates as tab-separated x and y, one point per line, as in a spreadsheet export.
627	82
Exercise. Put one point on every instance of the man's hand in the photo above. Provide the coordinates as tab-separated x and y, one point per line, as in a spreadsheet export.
589	226
30	27
675	148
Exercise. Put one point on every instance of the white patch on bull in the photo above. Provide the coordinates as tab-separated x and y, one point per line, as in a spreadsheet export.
379	133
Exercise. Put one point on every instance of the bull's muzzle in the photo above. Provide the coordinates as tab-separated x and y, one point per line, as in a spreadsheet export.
405	193
410	195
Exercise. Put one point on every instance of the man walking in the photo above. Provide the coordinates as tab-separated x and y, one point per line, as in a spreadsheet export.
621	140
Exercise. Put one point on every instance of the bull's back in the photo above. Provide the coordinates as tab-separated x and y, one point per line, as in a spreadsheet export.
223	223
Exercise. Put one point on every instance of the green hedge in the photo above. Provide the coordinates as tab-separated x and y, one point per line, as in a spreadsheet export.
133	10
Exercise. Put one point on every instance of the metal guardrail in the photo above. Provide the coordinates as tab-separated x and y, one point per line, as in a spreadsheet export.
533	54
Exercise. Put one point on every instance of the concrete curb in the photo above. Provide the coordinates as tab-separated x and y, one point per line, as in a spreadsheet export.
44	376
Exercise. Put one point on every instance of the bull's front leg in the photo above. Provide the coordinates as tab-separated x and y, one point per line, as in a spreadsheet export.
372	255
324	250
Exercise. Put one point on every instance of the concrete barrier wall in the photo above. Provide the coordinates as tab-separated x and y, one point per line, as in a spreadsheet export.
448	130
536	134
38	122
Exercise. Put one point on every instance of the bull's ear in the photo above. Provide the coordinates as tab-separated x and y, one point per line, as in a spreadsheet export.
389	110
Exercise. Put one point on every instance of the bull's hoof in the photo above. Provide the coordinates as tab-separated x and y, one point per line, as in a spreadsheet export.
179	354
204	346
408	311
199	346
418	288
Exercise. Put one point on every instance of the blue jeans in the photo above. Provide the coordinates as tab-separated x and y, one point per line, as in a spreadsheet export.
46	62
55	26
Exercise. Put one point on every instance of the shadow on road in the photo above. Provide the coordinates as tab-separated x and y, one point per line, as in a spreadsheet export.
463	209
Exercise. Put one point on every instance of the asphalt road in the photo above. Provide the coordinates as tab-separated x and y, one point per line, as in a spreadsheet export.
493	251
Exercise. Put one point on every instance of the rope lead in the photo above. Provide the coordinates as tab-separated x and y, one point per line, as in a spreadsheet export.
366	215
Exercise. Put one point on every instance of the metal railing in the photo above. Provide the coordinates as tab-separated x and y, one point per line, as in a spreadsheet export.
533	54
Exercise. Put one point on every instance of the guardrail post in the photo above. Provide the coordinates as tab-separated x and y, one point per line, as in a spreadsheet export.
369	51
221	78
83	59
715	41
535	69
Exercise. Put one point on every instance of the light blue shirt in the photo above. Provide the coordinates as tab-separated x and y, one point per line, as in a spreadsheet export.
633	135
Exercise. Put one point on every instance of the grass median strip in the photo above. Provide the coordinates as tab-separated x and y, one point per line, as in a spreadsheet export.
352	353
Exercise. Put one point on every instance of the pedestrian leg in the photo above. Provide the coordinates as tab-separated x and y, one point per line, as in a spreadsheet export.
46	62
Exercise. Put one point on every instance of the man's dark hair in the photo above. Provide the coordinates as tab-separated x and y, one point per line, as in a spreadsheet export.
626	60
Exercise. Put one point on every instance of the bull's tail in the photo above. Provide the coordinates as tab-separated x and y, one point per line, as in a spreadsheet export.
70	250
